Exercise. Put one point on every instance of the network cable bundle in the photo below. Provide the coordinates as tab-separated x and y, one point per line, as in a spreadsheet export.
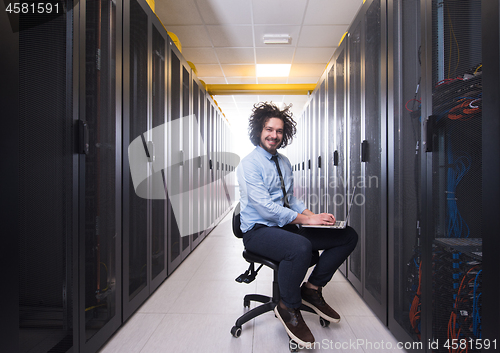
457	294
455	131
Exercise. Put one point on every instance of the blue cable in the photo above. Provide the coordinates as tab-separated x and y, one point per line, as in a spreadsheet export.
475	308
458	168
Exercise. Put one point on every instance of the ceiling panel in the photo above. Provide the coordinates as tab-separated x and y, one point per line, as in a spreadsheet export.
274	55
321	36
178	12
235	55
331	12
207	70
239	70
286	12
313	55
191	36
216	12
231	35
307	70
200	55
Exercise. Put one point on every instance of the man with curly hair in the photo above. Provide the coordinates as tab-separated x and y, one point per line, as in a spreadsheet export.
270	214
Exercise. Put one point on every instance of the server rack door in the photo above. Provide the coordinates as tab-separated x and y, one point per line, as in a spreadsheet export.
310	155
307	155
220	138
374	162
136	239
303	156
295	160
215	143
216	164
187	163
355	263
331	140
10	192
321	158
212	165
100	240
313	152
454	145
226	198
175	158
340	148
490	223
159	224
224	190
195	206
209	166
198	172
48	184
203	164
222	163
404	178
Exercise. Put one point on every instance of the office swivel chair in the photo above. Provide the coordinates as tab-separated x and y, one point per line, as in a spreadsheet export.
268	302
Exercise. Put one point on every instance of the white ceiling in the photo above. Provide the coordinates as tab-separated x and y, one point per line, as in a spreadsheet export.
224	40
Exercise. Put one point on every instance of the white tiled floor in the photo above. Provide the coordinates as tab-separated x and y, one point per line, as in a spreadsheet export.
195	308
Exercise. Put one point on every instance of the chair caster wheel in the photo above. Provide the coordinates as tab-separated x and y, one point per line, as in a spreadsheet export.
236	331
323	322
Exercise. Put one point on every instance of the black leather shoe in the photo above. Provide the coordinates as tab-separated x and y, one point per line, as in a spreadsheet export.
294	325
314	299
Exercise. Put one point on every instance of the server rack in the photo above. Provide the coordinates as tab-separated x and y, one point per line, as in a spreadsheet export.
143	115
404	176
198	104
452	140
179	76
374	159
322	152
338	161
10	215
353	144
334	159
489	223
47	179
159	57
313	152
209	166
99	200
186	155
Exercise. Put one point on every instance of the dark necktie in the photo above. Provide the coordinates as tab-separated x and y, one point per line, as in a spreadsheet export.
275	159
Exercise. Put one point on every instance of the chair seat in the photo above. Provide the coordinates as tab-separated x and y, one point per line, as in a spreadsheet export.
252	257
268	302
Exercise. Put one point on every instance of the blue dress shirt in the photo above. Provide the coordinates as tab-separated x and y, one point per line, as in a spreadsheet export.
261	197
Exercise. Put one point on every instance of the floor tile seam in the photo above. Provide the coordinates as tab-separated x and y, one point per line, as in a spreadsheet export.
363	338
150	333
173	299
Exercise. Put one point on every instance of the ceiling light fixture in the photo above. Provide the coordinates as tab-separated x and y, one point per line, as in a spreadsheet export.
273	70
277	39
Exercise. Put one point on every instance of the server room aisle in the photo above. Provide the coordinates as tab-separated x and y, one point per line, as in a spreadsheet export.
195	308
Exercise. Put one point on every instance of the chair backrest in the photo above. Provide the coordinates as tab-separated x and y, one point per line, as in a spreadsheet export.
237	222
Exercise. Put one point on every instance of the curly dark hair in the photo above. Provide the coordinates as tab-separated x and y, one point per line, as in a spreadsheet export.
264	111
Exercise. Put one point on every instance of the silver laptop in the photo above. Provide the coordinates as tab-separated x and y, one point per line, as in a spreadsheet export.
338	224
